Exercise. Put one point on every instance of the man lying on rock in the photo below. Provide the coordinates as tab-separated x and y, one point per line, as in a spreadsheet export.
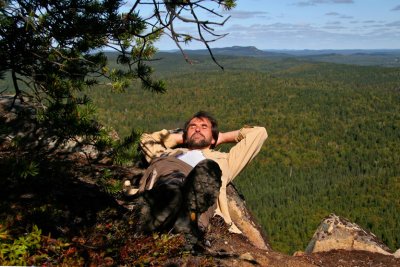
185	183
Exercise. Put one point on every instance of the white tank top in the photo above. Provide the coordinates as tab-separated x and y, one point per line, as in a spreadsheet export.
192	157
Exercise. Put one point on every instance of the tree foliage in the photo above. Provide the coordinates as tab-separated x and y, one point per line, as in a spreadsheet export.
53	50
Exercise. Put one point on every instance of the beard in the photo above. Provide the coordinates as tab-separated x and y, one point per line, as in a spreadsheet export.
194	143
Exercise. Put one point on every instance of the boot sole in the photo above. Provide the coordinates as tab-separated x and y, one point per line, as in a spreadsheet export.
202	186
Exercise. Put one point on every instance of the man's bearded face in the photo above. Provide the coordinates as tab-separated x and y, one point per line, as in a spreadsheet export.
199	134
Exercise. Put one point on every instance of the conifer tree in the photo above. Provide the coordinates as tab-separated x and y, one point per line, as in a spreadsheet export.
54	51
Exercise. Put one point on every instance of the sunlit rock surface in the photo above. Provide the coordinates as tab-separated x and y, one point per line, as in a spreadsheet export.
335	233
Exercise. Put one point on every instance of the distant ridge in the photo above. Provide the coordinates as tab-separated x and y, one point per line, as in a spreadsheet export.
239	50
255	52
247	51
377	57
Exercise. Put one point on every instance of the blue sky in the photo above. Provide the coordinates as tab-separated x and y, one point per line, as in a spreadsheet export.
309	24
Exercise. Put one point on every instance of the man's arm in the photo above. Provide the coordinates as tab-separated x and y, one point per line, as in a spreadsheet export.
227	137
157	143
177	137
249	142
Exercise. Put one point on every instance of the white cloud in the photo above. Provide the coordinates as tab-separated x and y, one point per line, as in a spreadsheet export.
396	8
332	14
343	1
393	24
334	22
236	14
317	2
343	28
335	14
332	35
333	27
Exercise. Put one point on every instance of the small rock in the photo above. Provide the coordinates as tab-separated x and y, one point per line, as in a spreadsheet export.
27	196
336	232
298	253
108	261
397	253
247	257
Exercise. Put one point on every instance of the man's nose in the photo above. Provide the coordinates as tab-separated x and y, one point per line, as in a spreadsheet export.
197	129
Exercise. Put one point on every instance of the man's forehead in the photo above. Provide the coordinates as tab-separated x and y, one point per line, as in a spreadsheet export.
200	120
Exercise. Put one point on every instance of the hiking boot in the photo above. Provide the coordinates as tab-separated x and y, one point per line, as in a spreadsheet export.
199	192
201	188
159	207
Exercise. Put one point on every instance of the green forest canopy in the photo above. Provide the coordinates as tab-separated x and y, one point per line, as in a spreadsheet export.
334	133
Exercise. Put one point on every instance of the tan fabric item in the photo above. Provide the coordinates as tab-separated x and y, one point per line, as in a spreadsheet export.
160	167
250	141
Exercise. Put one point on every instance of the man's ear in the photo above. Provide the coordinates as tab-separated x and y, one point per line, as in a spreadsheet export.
213	144
215	138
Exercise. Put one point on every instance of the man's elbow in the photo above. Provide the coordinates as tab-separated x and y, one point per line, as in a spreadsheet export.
262	133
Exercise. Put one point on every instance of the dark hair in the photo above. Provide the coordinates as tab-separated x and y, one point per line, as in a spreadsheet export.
203	115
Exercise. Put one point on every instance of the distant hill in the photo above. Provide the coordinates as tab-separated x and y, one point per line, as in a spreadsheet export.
248	51
374	57
307	52
254	51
